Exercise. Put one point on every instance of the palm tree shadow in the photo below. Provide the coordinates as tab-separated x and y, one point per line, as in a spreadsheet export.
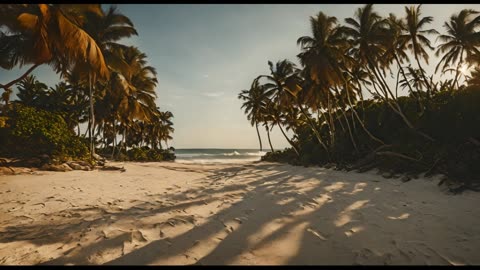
254	202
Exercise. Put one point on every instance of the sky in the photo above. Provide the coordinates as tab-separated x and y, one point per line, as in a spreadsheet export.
205	54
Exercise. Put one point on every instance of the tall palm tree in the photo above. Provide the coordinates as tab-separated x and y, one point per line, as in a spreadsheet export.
254	104
416	40
461	38
369	35
134	92
283	85
106	28
324	56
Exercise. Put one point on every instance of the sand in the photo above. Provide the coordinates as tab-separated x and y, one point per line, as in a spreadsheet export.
248	214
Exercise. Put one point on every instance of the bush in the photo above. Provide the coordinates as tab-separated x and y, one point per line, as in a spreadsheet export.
147	154
452	118
31	132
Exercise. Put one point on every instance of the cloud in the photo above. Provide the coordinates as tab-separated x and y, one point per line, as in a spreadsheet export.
205	76
213	94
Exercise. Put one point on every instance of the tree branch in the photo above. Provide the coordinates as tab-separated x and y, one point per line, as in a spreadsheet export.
8	85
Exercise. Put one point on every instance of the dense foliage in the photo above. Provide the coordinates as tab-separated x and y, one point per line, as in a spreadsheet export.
104	83
363	99
32	132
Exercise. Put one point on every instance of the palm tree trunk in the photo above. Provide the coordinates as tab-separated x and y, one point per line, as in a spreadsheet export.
423	76
126	138
332	122
92	116
348	124
258	134
288	140
312	126
403	73
397	108
268	136
114	142
458	69
354	112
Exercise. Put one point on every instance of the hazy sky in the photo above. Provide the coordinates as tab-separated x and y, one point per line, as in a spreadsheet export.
205	54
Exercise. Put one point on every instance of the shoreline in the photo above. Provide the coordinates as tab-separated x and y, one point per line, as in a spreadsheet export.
250	213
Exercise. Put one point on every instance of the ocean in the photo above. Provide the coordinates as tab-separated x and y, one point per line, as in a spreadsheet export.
212	156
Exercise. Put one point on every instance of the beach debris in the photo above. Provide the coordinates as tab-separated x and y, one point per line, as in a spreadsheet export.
39	204
387	175
238	220
317	234
56	168
79	165
138	235
112	168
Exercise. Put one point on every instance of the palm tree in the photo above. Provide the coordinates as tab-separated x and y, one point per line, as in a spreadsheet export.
324	57
283	85
134	93
370	35
461	38
48	34
167	125
275	111
106	28
322	52
254	104
416	40
31	91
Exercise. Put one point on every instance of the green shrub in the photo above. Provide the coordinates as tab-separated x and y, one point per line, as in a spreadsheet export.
31	132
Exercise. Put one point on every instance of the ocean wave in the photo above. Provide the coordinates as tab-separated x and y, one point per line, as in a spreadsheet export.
215	161
259	153
234	153
221	155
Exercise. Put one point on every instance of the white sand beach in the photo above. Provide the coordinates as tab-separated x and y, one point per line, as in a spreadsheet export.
247	214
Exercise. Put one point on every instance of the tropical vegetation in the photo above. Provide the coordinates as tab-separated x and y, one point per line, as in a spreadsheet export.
344	102
105	85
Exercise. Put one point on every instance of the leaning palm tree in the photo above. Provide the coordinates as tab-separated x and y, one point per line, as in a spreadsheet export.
416	40
51	34
324	56
369	35
462	38
48	34
282	86
254	104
